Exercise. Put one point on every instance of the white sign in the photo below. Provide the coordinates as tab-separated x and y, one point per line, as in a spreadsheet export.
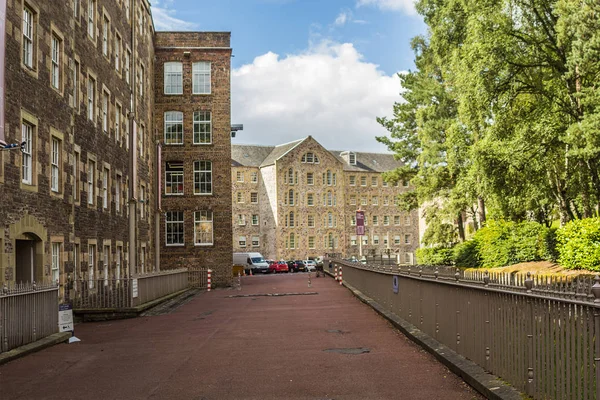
134	288
65	318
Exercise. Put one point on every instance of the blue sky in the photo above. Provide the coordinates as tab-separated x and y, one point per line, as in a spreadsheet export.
320	67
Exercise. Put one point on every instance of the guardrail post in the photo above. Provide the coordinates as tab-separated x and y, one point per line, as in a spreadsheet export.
209	280
340	277
530	340
487	331
596	293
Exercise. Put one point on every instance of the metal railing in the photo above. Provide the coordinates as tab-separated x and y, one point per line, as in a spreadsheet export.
123	293
198	277
541	334
28	312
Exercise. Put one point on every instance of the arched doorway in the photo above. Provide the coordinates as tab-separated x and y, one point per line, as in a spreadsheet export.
28	261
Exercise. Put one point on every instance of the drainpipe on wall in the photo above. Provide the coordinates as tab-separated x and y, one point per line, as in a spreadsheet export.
158	212
132	153
2	63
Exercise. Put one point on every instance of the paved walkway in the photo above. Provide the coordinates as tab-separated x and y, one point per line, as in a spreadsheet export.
261	347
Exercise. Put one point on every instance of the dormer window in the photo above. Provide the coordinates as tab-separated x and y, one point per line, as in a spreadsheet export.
349	157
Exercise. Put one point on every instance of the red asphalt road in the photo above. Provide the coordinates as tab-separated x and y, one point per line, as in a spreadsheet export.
216	347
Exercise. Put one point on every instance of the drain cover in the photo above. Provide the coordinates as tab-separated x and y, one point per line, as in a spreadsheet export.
359	350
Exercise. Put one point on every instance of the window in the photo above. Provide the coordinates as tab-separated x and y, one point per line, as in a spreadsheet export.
27	154
363	200
310	178
105	179
55	262
105	103
373	181
352	240
290	177
385	240
352	179
76	188
141	81
386	201
396	239
375	220
241	219
117	52
201	78
353	220
255	241
375	200
105	263
292	241
363	181
330	220
254	219
76	71
407	220
310	221
291	197
353	200
91	18
202	177
91	90
55	73
127	66
174	178
91	264
310	199
254	177
384	184
142	202
117	122
174	228
311	242
76	9
141	140
329	178
173	78
203	228
105	32
239	176
365	240
242	241
254	197
55	165
202	127
329	198
352	158
118	181
292	221
28	38
408	258
240	197
91	184
173	127
396	220
118	263
386	220
407	238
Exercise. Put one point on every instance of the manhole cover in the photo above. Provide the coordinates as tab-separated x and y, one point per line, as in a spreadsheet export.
359	350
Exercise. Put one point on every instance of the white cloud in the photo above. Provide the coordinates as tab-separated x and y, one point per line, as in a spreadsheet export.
328	92
406	6
341	19
164	17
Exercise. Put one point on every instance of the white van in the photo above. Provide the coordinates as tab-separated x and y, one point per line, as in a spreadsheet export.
254	261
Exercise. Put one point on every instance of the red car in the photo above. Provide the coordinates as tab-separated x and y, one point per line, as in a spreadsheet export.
278	266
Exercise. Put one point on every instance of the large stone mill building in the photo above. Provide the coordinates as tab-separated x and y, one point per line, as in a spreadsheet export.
299	200
126	150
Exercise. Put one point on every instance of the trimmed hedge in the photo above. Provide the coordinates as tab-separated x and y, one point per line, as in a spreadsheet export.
578	244
435	256
466	254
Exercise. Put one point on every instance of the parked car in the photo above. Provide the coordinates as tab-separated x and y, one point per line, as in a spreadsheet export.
310	265
296	266
278	266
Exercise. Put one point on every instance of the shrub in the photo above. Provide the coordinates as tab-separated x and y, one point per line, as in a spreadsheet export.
549	251
578	244
434	256
466	254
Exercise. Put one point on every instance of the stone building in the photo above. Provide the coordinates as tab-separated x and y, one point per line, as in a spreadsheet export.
81	90
299	200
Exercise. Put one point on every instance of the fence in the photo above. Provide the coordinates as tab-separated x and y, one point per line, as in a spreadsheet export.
27	313
126	292
538	333
198	277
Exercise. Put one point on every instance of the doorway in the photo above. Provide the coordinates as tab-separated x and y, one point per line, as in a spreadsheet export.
28	266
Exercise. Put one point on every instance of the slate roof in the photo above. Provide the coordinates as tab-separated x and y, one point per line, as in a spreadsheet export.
261	156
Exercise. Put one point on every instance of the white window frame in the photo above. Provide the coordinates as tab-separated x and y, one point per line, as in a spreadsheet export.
91	93
91	264
173	78
255	241
91	183
254	177
174	178
28	37
202	127
55	165
310	178
242	241
55	262
174	228
241	219
173	127
203	168
55	52
105	179
105	262
117	52
26	153
255	219
91	19
118	194
203	217
239	176
105	32
201	77
105	106
254	197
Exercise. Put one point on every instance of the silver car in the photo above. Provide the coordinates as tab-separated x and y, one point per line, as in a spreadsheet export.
310	265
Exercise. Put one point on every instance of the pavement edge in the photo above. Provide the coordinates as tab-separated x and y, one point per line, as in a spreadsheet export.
485	383
33	347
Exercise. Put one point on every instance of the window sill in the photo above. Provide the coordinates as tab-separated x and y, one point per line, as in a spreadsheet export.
175	245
